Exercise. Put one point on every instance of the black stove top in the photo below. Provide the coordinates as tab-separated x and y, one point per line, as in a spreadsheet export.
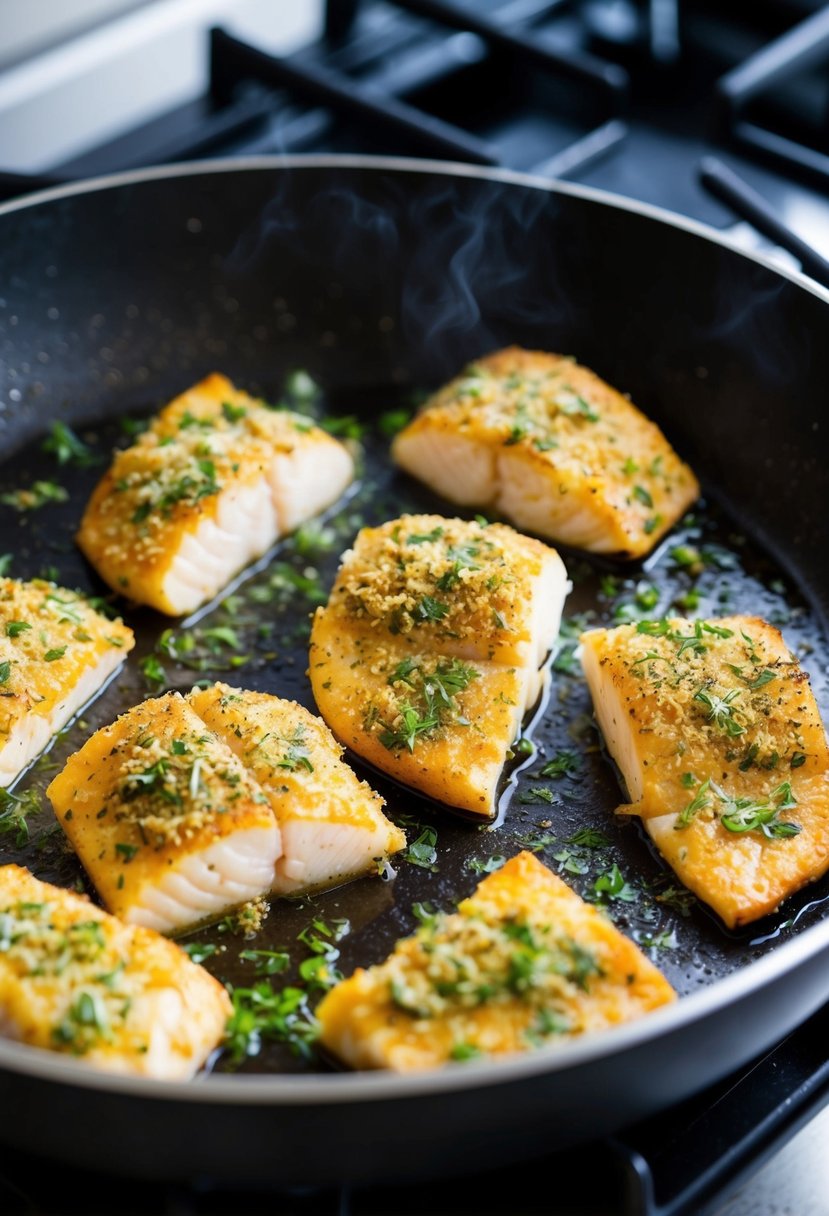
625	95
629	96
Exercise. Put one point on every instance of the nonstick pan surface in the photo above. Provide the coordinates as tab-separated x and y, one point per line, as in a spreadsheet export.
379	279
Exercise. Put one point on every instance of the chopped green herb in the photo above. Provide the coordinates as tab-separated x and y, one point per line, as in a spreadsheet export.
152	669
422	538
393	421
199	951
485	866
423	851
746	815
535	843
571	862
346	425
563	764
261	1014
233	413
697	803
15	628
14	812
267	962
430	609
38	495
722	710
642	495
537	793
57	652
590	838
612	886
465	1051
66	447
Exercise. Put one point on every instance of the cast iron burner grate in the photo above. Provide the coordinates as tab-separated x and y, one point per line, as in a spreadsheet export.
684	1162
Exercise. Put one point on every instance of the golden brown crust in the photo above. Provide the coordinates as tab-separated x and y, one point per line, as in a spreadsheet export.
717	730
572	458
74	979
523	962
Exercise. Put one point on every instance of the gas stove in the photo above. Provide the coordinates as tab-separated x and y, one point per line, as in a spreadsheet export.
715	112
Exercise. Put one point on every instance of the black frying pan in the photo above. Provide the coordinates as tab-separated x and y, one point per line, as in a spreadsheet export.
380	277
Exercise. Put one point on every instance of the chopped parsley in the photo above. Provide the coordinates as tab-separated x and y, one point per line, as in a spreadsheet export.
423	851
152	669
722	711
267	962
763	816
563	764
488	865
37	495
590	838
431	702
430	609
66	447
612	886
698	803
262	1014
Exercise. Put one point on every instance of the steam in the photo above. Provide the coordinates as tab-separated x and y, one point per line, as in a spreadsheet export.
443	256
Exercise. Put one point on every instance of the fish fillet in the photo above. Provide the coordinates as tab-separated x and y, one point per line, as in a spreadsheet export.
56	652
523	963
209	487
428	653
332	824
719	740
169	825
554	449
118	997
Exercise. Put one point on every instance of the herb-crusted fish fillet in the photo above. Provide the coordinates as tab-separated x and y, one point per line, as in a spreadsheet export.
209	487
524	962
118	997
718	737
554	449
428	653
332	824
169	825
56	652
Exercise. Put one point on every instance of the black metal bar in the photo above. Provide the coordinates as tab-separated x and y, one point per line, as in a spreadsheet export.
214	130
575	64
801	47
806	162
584	151
798	50
734	1128
232	60
745	201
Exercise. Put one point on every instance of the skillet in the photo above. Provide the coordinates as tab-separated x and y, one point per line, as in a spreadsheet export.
381	278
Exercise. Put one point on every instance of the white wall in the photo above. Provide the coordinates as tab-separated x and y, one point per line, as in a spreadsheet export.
149	58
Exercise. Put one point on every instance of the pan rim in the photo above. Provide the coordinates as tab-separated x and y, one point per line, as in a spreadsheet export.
336	1089
403	164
